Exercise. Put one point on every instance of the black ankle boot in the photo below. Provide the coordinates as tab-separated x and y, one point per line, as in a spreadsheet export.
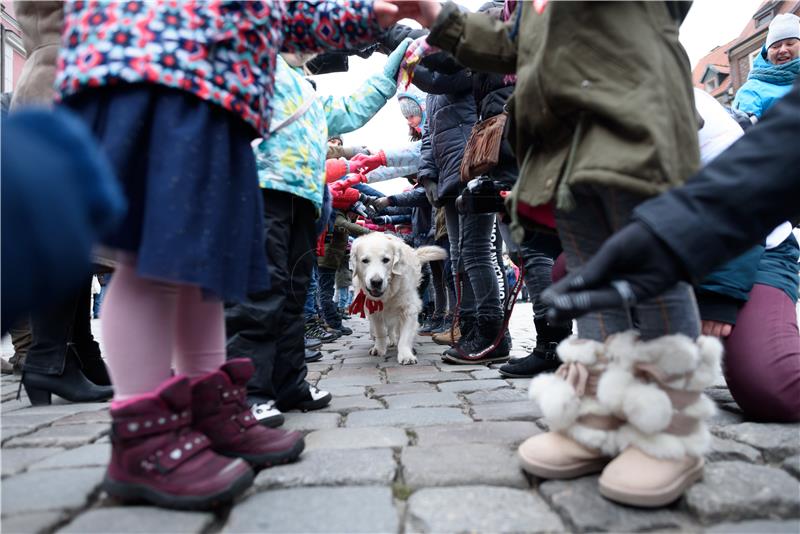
92	365
543	359
484	336
71	385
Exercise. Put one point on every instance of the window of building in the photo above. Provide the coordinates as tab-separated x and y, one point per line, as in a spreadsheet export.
752	57
712	83
764	19
8	67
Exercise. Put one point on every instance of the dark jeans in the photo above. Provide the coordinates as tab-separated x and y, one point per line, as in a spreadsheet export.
64	327
538	252
480	261
268	328
310	308
98	299
439	288
327	287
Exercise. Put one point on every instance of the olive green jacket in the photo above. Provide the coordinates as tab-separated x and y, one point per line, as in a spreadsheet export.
336	249
603	95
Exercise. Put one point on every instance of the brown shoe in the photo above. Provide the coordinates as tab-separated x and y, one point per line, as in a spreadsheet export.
444	338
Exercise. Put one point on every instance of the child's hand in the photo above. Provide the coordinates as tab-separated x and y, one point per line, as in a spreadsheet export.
717	329
423	11
414	54
365	163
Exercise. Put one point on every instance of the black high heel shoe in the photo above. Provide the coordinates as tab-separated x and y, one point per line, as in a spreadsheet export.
71	385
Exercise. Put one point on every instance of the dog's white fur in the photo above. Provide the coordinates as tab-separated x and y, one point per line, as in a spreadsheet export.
388	270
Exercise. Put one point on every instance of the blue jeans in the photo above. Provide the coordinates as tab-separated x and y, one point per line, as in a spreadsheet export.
310	307
327	286
344	297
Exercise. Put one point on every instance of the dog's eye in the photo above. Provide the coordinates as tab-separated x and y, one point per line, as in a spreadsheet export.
385	260
365	260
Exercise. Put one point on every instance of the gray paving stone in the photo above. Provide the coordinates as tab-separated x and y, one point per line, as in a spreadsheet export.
433	377
138	519
406	417
333	467
310	420
733	491
17	460
792	465
311	510
470	464
460	368
758	527
724	418
351	404
7	432
355	372
356	438
38	491
343	391
579	502
497	395
520	383
776	441
28	419
422	400
505	433
61	436
348	381
479	509
485	374
60	406
96	454
720	395
727	449
473	385
382	390
35	522
100	416
506	411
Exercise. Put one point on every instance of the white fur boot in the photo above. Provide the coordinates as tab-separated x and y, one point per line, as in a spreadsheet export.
583	432
656	387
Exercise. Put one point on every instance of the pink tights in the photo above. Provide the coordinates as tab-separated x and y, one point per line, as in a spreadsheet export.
147	325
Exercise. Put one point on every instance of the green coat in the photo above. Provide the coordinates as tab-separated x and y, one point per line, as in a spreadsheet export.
603	95
336	249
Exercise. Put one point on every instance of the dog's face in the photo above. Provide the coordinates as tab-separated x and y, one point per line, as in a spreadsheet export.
375	259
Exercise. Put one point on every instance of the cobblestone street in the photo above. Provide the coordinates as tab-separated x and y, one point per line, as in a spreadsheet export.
424	448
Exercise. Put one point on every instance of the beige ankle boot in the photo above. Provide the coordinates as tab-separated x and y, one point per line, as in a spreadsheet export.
582	437
656	387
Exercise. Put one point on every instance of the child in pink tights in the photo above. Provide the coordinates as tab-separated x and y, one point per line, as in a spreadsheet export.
175	93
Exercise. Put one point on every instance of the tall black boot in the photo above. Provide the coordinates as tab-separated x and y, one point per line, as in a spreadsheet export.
71	385
484	335
543	359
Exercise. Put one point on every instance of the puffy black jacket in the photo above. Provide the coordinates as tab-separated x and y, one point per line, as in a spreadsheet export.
421	214
451	114
491	91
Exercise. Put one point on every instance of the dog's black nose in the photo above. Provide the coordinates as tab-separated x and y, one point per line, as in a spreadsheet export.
376	283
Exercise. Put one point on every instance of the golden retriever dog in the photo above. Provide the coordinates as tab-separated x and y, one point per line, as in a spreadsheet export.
387	270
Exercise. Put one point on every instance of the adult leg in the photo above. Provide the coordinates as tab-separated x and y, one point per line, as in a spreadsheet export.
327	281
762	357
83	344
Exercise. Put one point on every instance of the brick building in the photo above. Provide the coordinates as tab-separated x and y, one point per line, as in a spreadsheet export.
723	70
12	51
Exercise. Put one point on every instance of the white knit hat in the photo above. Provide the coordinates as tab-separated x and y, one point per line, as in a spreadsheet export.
784	26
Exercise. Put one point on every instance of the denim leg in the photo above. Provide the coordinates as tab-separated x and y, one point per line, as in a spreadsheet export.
479	258
538	252
600	212
327	284
310	307
439	292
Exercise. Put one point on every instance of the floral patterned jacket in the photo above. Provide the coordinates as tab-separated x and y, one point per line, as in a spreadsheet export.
223	51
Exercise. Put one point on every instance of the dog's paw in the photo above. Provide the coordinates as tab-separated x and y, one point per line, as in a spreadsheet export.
407	359
377	351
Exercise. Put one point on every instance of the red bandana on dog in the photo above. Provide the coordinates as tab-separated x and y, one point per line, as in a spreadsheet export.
361	299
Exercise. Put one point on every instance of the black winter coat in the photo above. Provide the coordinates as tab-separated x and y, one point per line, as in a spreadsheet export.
421	214
491	91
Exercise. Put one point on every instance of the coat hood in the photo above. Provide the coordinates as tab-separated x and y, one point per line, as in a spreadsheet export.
419	97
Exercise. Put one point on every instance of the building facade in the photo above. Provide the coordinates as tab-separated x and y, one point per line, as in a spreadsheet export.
12	51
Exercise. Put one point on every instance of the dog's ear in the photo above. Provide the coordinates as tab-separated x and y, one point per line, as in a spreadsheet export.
353	256
397	259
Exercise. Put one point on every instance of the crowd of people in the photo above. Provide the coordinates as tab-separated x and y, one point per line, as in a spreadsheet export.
208	173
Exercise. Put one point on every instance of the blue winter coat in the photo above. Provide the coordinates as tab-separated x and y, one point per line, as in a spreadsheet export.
765	84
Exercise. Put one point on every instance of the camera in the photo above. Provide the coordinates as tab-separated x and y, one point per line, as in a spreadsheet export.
483	195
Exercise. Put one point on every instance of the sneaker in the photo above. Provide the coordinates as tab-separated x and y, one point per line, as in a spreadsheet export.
431	325
314	329
444	337
266	413
313	343
314	399
313	356
344	330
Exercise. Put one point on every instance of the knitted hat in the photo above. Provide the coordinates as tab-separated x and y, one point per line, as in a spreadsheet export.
409	107
784	26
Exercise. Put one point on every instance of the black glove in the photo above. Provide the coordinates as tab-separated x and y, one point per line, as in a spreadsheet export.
633	265
431	191
382	219
359	209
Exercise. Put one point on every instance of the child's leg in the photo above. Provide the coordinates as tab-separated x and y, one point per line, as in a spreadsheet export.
199	333
138	331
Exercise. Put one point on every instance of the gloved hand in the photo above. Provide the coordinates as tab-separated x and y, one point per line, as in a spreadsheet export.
382	219
416	51
431	191
380	203
365	163
633	265
390	70
359	208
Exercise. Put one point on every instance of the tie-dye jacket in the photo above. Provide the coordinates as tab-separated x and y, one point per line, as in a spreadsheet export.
293	159
223	51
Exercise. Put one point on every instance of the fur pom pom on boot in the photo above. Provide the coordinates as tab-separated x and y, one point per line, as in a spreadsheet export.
657	388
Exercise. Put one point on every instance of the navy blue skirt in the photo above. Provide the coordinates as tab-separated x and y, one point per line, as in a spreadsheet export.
188	172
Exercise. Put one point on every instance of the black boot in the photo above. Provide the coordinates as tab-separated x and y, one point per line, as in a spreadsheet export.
92	365
483	336
71	385
432	324
543	359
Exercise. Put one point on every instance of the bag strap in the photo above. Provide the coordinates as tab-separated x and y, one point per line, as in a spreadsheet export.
294	116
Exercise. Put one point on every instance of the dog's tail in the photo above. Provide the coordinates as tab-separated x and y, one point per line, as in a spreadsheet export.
426	254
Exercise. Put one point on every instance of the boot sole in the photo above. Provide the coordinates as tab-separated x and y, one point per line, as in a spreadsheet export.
452	359
575	470
271	459
126	491
317	357
657	499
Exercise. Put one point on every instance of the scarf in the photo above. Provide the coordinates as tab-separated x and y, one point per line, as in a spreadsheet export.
784	74
357	307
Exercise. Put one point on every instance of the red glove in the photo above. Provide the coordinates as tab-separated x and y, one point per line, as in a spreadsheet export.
342	200
341	185
335	169
365	163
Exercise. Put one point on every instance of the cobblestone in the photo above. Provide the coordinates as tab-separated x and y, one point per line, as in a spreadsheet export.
332	467
468	464
352	404
507	411
39	491
356	438
423	400
406	417
60	436
774	440
138	519
504	433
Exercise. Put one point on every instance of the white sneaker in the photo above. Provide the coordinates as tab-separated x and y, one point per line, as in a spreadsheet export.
316	399
267	414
